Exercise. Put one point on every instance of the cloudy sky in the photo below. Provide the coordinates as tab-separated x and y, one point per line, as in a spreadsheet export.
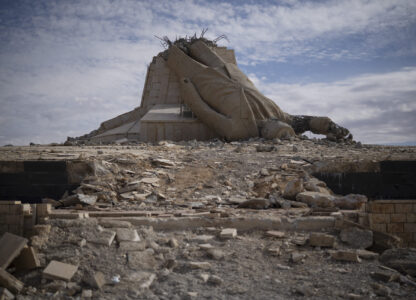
66	66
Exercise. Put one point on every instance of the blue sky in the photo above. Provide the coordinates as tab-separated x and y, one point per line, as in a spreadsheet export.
66	66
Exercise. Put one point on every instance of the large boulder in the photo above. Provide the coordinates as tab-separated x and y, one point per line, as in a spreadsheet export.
315	199
293	188
356	237
401	259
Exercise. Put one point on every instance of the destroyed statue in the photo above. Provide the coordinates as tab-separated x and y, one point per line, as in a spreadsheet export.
226	101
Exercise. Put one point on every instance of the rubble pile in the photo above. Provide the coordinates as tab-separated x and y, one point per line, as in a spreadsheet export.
196	220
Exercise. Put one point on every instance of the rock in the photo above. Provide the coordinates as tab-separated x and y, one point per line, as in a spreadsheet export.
5	294
163	162
55	285
365	254
264	172
127	235
317	239
114	223
315	199
143	279
345	255
86	293
265	148
214	279
296	257
381	290
203	238
132	246
275	251
385	275
282	267
104	237
258	203
215	254
200	265
356	237
205	246
228	233
204	277
173	242
400	259
143	260
236	200
293	188
276	234
350	201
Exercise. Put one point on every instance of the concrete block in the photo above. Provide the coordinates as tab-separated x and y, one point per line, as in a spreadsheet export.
10	247
59	270
28	259
10	282
127	235
228	233
403	208
409	227
380	218
395	227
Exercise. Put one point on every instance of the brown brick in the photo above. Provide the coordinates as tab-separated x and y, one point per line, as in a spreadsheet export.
4	209
395	227
380	218
411	218
398	218
409	227
379	227
403	208
382	208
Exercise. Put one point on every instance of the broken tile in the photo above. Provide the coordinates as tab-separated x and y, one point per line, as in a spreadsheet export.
59	270
10	247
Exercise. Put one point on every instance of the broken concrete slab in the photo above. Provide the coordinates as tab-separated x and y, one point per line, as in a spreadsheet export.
105	237
10	282
127	235
59	270
10	247
132	246
28	259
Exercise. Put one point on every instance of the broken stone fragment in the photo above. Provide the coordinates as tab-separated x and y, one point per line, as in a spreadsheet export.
141	260
132	246
365	254
200	265
275	234
215	253
317	239
346	255
127	235
203	238
314	199
258	203
350	201
296	257
228	233
104	237
400	259
293	188
356	237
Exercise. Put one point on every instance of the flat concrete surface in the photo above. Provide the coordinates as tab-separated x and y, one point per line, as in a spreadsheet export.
166	113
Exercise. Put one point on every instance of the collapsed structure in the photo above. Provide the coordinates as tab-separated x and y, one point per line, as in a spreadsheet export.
195	90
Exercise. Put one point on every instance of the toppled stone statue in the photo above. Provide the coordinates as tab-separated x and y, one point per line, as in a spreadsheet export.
226	101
